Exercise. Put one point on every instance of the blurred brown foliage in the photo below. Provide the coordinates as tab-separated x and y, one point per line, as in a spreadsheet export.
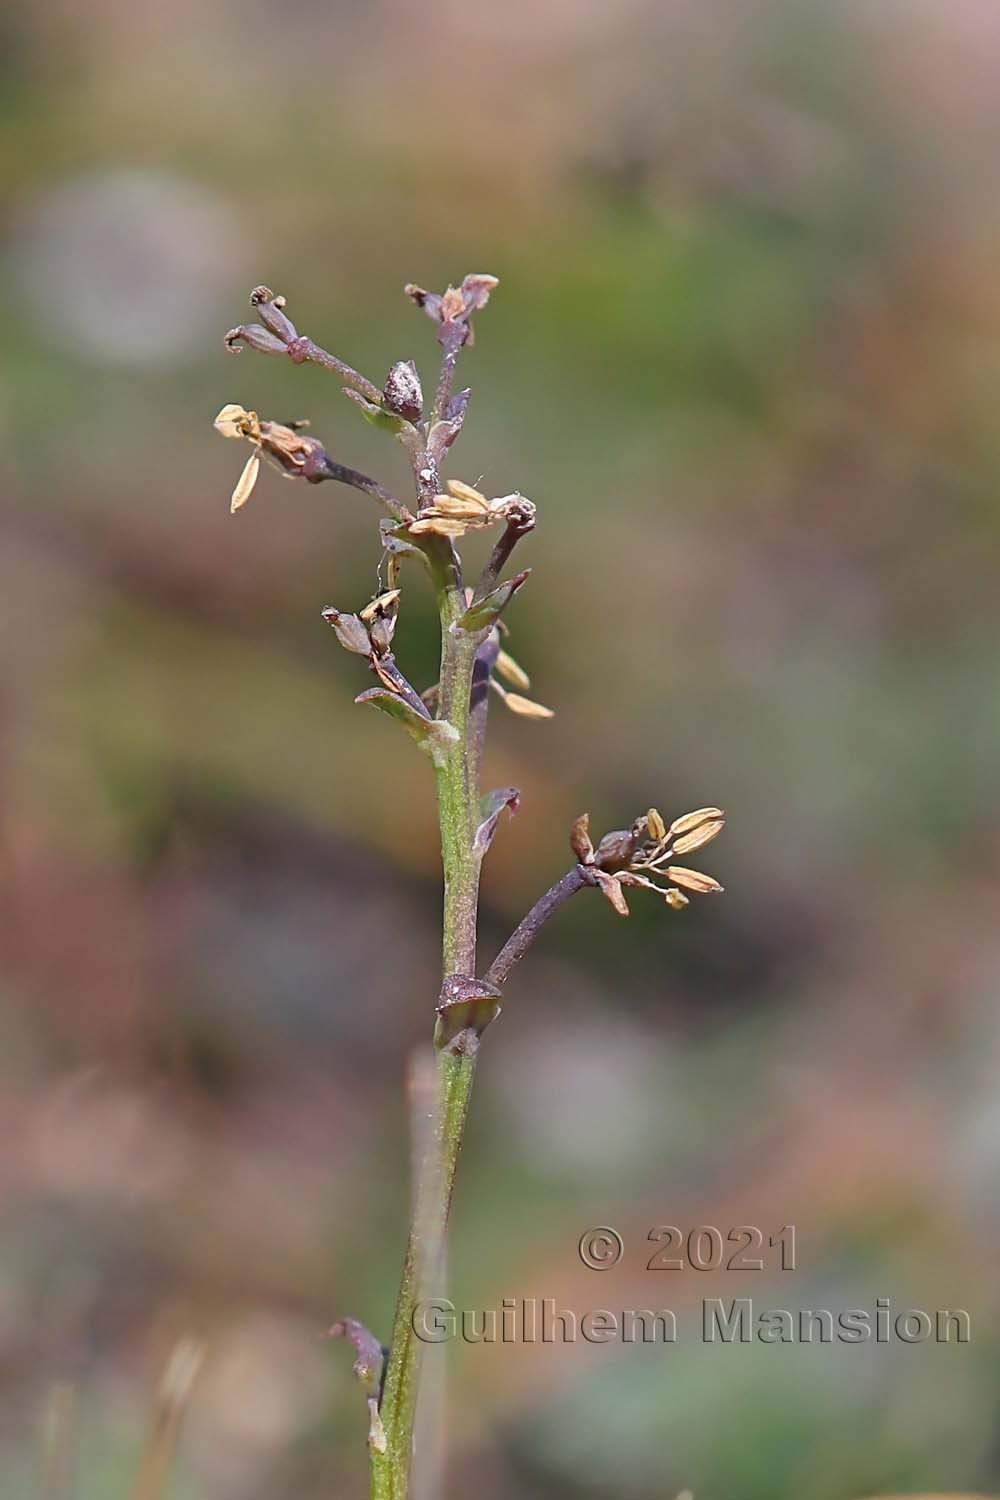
745	356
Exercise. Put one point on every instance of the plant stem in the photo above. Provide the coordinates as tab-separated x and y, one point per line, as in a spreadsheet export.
458	798
435	1179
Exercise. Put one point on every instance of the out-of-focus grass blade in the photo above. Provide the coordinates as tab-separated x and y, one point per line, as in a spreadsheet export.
171	1401
59	1437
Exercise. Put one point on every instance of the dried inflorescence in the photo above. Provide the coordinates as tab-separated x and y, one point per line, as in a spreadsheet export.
446	513
448	721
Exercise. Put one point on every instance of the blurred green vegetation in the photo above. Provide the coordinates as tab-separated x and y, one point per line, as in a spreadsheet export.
745	357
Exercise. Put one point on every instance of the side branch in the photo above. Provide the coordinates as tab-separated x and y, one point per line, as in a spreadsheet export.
305	351
528	929
330	469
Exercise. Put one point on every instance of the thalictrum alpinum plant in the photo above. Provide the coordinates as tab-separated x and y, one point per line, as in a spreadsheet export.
447	720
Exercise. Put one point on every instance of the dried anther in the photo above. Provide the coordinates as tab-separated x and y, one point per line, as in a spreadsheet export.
288	449
628	857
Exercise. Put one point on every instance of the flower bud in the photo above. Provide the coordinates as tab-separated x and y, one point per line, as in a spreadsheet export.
257	337
402	392
270	310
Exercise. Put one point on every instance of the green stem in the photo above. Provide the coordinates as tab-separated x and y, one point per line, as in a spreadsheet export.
455	1064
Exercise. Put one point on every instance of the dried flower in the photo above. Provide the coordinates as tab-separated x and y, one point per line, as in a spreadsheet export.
627	857
456	304
464	509
288	448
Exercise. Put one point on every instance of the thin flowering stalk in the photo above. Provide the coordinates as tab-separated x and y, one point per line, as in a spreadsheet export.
448	721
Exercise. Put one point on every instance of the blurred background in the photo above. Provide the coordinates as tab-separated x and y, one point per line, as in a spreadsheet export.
745	357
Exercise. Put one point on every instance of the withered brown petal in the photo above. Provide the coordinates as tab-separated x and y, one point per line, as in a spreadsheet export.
655	824
611	889
511	671
462	491
579	839
693	880
380	604
699	837
245	483
694	819
230	421
452	305
458	506
476	288
527	707
439	526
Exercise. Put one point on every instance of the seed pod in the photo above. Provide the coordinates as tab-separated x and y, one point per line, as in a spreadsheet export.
349	631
